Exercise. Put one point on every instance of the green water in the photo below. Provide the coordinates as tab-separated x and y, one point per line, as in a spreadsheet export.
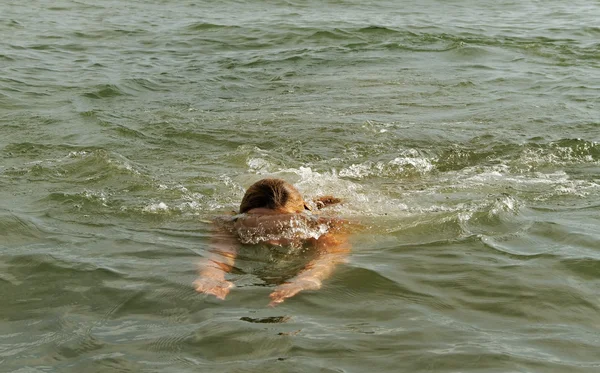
463	135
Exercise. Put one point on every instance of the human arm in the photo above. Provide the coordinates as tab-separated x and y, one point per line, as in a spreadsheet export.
333	248
218	262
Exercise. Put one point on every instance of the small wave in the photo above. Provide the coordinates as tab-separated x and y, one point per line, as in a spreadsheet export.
409	163
542	186
156	208
6	58
15	227
106	91
561	152
108	33
204	26
379	30
330	34
55	264
585	268
80	165
142	84
82	344
527	164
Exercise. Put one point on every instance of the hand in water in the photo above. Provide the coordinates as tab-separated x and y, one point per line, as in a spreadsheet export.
218	288
289	289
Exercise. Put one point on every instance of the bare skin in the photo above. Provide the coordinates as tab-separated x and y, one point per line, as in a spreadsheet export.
332	248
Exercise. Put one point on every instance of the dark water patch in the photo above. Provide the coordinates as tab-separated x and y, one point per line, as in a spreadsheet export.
204	26
14	23
267	320
418	46
589	30
33	150
378	30
90	113
144	84
90	34
227	78
114	361
167	252
465	52
58	8
324	35
80	345
129	32
41	265
16	229
87	201
588	269
106	91
126	132
205	341
7	58
73	47
210	138
104	34
299	56
41	47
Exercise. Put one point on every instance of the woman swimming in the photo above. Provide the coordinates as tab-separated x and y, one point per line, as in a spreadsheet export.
274	213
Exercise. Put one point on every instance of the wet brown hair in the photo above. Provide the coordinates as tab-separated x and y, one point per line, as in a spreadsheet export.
269	193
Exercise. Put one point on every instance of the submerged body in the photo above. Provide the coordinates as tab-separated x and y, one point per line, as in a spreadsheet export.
274	213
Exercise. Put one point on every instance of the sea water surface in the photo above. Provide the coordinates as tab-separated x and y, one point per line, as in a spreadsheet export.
464	136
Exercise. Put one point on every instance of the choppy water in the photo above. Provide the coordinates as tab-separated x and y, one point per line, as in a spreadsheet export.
464	135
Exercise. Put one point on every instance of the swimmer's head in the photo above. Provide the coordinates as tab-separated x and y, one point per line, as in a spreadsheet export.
273	194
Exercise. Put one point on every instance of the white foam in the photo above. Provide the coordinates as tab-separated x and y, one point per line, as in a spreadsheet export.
79	154
296	229
408	161
420	164
258	165
96	196
409	184
156	208
545	185
505	203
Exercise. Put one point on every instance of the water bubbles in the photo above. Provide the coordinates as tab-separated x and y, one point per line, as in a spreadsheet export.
156	208
282	231
409	163
96	196
258	165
